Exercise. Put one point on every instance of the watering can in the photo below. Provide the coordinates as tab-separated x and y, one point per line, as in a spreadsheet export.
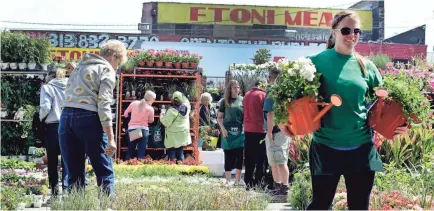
386	115
304	114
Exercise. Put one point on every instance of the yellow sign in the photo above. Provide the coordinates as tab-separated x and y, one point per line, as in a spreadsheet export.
74	53
249	15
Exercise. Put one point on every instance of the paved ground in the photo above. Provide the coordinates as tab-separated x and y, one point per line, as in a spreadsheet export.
279	206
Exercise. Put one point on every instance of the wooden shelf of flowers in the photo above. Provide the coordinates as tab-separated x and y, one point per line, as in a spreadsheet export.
162	73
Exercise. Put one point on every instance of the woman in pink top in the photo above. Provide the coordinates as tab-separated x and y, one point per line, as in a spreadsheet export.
142	114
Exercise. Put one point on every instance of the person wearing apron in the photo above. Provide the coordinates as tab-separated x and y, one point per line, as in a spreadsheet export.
230	119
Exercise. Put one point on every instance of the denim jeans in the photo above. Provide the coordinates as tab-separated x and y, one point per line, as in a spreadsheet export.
81	134
140	144
51	144
178	152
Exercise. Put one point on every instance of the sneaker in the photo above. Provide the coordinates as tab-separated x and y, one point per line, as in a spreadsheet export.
240	183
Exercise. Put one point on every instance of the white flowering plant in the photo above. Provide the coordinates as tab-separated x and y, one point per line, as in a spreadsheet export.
298	79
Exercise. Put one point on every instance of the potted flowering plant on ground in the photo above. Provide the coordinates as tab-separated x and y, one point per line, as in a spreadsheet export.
401	102
295	96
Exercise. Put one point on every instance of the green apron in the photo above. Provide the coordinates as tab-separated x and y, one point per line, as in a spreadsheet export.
234	126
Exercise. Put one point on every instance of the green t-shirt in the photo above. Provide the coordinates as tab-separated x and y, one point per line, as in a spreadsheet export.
345	126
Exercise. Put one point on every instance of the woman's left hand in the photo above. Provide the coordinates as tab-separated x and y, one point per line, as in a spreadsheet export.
400	130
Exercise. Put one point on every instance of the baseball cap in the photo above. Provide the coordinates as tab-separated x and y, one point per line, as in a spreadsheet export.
177	95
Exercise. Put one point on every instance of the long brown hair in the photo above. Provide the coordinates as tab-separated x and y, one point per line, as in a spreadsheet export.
332	40
228	92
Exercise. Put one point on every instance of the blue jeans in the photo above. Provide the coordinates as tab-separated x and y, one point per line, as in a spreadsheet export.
141	148
51	144
178	152
81	134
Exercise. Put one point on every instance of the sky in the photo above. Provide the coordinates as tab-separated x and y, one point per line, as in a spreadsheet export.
400	15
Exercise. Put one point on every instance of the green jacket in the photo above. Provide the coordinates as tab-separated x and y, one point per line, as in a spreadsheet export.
177	125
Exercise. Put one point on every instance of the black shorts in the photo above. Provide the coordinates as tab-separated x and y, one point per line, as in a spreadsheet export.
234	159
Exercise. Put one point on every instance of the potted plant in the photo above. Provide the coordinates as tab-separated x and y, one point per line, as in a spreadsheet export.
194	60
168	58
192	92
141	58
159	59
400	103
43	45
176	60
6	49
24	44
150	58
14	51
295	96
32	55
185	60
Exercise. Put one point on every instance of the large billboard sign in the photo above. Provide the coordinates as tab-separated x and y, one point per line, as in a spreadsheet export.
249	15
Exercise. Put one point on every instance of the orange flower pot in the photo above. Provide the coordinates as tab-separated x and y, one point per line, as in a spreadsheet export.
184	65
304	114
168	64
158	64
149	64
142	63
177	65
193	65
386	115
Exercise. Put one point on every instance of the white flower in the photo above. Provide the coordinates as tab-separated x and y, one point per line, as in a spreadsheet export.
291	72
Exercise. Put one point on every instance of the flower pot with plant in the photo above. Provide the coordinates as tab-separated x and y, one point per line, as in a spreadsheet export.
400	102
176	60
194	60
43	45
141	58
185	60
168	58
295	94
159	59
192	92
6	49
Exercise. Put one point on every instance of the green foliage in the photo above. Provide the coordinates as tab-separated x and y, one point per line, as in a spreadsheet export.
406	90
380	60
301	190
10	197
16	164
262	56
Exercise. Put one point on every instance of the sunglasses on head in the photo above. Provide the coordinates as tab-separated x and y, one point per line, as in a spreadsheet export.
348	31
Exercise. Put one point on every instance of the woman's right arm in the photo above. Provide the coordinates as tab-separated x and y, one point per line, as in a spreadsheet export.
220	122
127	111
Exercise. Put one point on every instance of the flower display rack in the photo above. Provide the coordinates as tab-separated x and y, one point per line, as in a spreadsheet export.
132	86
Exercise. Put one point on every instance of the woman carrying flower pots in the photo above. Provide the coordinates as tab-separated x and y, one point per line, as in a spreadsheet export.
343	145
142	114
230	119
177	123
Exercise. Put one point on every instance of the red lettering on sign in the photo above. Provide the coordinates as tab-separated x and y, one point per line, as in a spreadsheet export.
75	55
62	52
293	21
194	13
259	17
326	19
218	13
270	16
308	18
245	16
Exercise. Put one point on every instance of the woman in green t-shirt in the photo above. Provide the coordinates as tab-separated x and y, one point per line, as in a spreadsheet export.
230	120
343	145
